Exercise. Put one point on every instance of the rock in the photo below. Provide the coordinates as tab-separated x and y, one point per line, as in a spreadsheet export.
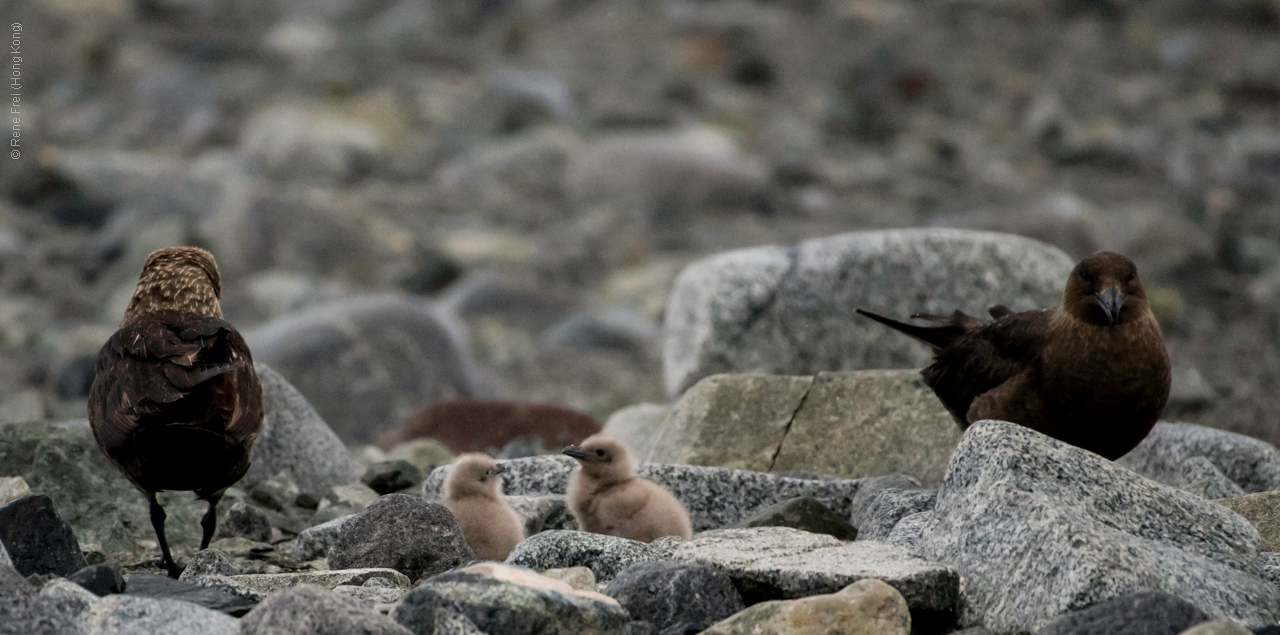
543	513
636	426
209	562
276	493
1198	475
478	426
580	578
413	536
427	454
604	555
102	579
38	539
668	593
105	510
306	610
1131	614
267	583
245	521
315	542
787	310
501	599
12	488
288	142
1262	510
5	560
714	496
891	506
769	563
228	585
40	614
77	596
866	607
367	362
1251	464
1016	505
133	615
1217	627
12	583
803	513
392	476
146	585
296	440
871	488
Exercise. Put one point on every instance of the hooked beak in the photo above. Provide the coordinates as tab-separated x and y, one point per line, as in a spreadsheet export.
1111	300
576	452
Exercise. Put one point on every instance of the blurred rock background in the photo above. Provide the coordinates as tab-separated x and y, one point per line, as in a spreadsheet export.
506	189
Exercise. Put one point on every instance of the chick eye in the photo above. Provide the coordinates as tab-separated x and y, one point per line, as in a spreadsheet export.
599	452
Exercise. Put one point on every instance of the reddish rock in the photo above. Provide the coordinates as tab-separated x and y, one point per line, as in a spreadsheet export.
475	426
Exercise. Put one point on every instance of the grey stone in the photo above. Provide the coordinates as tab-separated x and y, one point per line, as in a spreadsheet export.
668	593
1263	511
276	493
803	513
229	585
12	583
37	614
315	542
891	506
366	363
636	426
102	579
77	597
769	563
871	488
146	585
1143	613
267	583
209	562
1251	464
245	521
38	539
864	607
5	560
714	496
604	555
307	610
296	440
415	537
1038	528
910	530
1201	477
1217	627
392	476
13	487
788	310
380	599
287	142
499	606
543	513
427	454
449	622
133	615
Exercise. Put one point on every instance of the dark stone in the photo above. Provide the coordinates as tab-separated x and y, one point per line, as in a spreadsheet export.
803	513
307	500
891	506
406	533
38	539
101	579
392	476
1145	613
158	586
667	594
430	273
309	610
245	521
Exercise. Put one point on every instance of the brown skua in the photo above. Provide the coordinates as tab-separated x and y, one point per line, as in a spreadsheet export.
175	403
471	492
1092	372
606	496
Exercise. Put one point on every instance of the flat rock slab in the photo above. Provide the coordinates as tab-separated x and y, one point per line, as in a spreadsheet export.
272	582
147	585
1038	528
789	310
133	615
783	563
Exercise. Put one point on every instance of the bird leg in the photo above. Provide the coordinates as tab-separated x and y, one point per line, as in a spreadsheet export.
210	521
157	523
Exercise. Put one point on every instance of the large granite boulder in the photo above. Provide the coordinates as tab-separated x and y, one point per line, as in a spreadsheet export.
789	310
415	537
296	440
604	555
366	363
1188	456
1038	528
309	610
849	424
714	496
667	594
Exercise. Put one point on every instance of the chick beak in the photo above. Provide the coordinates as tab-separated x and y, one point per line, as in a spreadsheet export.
499	468
576	452
1111	300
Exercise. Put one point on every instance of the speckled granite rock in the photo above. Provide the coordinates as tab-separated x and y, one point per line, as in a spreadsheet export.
871	488
209	562
415	537
1198	475
604	555
714	496
314	542
295	439
1038	528
133	615
770	563
1131	614
1163	456
496	605
379	598
866	607
307	610
891	506
271	582
42	614
12	583
245	521
667	594
786	310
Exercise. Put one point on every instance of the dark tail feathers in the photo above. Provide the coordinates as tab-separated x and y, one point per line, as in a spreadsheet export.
950	329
